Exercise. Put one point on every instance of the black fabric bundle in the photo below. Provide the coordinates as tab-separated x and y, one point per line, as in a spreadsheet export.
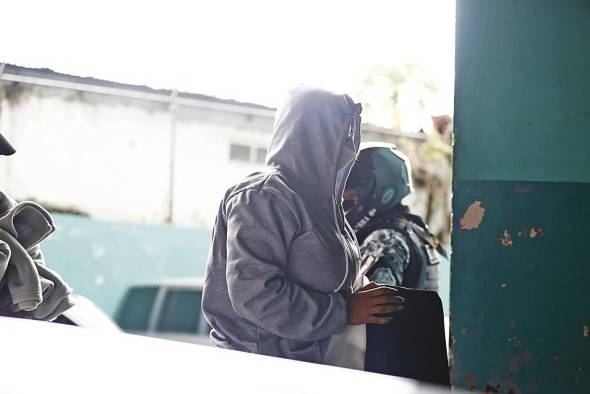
413	345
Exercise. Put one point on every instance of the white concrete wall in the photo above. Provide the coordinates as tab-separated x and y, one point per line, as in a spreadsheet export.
204	170
110	157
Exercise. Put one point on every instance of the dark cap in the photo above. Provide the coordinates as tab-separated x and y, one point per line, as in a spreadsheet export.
5	148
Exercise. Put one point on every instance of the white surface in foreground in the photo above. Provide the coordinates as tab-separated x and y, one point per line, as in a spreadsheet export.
48	358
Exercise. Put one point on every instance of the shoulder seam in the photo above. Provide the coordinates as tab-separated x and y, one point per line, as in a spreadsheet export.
270	192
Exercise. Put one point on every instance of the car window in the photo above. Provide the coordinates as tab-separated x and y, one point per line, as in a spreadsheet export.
136	308
181	311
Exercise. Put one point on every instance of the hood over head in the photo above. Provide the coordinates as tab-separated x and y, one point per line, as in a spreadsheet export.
316	139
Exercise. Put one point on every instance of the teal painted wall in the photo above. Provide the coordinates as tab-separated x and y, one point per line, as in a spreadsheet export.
522	104
520	311
100	259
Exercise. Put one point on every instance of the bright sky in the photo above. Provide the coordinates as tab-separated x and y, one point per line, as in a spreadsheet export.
247	50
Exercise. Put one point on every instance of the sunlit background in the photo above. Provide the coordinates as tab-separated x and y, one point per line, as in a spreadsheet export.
130	119
245	50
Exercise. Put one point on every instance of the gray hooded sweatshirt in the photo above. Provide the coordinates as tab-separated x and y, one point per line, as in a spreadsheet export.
283	260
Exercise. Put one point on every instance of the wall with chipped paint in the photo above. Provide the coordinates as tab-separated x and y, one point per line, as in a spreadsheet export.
520	310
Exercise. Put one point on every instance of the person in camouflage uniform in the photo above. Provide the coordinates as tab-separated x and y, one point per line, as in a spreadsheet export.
397	248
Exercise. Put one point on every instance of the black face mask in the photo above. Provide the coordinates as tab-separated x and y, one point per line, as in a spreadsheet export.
345	163
5	148
354	135
350	147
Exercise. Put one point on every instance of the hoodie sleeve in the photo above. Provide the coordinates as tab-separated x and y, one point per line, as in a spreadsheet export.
37	255
7	203
260	228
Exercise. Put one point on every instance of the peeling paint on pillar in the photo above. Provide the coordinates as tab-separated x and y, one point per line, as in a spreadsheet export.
510	300
473	216
535	232
506	239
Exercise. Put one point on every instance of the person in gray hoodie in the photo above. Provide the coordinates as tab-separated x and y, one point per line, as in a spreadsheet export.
283	260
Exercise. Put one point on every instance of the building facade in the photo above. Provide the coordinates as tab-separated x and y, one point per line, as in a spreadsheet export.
130	153
142	171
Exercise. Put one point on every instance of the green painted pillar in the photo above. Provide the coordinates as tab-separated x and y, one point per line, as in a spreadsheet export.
520	281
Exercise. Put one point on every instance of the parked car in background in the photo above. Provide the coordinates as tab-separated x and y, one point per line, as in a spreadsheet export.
168	309
86	314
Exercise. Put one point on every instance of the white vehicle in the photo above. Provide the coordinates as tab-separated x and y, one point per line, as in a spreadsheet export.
86	314
93	361
169	309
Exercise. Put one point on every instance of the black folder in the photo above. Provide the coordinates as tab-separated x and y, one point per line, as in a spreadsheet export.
413	345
